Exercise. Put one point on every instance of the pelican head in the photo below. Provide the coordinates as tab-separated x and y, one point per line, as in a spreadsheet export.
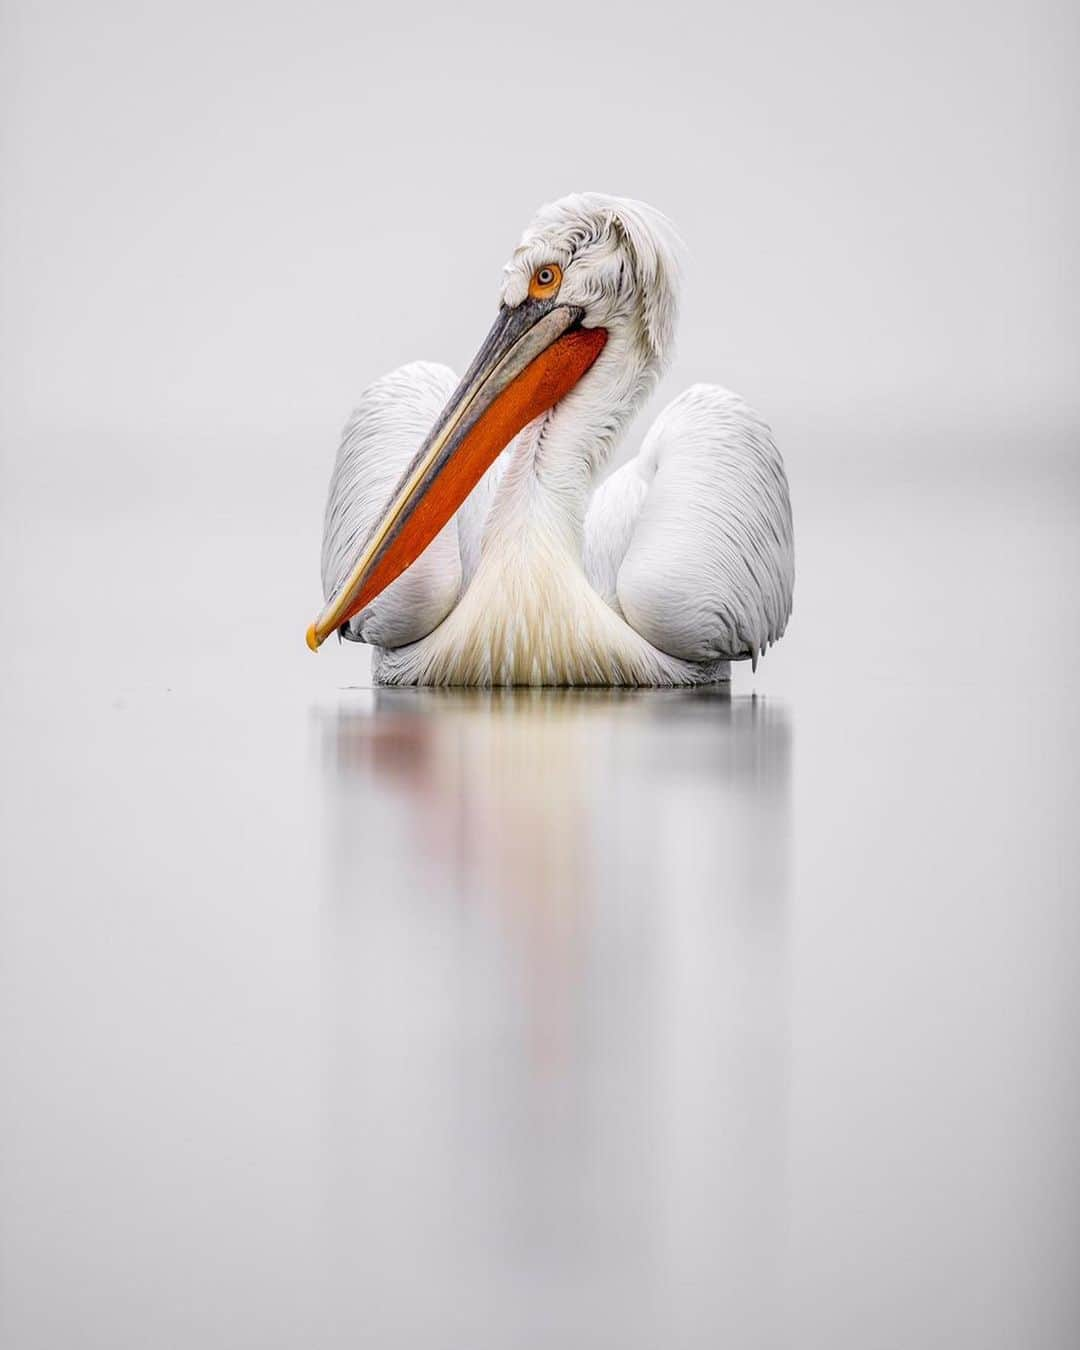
589	298
618	261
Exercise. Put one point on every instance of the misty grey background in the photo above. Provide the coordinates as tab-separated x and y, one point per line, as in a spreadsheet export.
335	1016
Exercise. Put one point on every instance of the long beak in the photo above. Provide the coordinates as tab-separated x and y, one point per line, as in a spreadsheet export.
532	357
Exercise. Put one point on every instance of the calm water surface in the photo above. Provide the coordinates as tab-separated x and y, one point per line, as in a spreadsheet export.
335	1016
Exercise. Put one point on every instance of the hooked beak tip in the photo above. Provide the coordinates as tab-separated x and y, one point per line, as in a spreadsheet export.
312	639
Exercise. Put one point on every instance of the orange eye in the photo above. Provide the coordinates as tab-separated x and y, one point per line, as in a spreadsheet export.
545	281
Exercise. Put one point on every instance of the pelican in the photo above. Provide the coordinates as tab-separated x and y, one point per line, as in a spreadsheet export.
489	556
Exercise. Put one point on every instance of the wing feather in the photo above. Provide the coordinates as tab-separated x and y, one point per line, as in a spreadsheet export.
694	536
379	440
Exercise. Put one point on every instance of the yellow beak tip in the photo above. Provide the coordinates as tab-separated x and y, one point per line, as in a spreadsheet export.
312	640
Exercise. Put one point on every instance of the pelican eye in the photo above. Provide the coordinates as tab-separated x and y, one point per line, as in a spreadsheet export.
545	281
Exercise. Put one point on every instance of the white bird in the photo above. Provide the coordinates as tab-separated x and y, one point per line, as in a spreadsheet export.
489	556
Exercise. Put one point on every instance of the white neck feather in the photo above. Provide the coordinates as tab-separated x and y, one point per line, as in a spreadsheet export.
553	464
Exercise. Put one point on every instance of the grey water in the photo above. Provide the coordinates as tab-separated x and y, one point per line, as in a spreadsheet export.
334	1015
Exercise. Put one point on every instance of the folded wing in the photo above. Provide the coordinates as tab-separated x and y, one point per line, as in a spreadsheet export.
691	541
380	439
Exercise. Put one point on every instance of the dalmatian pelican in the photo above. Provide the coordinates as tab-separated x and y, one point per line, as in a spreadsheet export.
489	555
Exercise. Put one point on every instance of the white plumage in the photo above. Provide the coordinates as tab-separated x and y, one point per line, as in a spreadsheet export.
679	563
380	438
691	540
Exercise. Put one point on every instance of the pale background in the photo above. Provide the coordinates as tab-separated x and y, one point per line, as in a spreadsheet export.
337	1018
